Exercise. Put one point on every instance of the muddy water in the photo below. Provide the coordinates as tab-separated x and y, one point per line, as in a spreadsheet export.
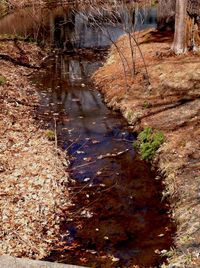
116	217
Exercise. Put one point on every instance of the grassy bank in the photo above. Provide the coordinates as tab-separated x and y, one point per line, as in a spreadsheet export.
169	104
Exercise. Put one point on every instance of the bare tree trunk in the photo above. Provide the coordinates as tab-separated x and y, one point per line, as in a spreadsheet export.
179	45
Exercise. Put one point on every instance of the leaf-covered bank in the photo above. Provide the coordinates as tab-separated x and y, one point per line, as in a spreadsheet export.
170	104
32	171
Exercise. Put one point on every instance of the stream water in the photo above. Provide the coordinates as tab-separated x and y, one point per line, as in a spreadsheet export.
116	217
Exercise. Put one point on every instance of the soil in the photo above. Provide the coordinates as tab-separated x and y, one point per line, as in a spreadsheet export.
32	170
169	103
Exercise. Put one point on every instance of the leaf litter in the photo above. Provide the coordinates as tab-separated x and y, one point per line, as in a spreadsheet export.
33	193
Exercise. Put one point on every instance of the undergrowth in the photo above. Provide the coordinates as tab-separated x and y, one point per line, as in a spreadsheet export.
2	80
50	135
148	142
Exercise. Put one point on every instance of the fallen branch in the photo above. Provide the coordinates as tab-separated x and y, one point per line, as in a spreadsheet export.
56	136
112	155
80	166
42	65
18	62
76	214
99	158
20	102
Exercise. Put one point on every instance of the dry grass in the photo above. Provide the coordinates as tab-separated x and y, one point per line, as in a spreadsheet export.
171	104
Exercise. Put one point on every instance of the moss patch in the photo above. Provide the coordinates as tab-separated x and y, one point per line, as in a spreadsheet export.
2	80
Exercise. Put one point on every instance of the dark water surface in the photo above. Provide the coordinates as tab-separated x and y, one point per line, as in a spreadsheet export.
116	218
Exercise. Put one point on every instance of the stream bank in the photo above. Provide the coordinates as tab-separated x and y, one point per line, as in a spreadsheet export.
32	171
170	104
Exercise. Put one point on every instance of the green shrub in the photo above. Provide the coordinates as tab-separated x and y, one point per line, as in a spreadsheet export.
146	105
129	116
148	142
50	135
2	80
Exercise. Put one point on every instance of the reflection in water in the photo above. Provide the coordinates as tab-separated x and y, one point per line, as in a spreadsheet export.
118	219
66	28
79	100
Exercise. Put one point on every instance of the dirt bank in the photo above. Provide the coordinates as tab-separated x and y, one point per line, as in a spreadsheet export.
32	170
171	104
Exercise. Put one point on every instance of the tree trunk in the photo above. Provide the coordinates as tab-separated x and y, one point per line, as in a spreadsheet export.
179	45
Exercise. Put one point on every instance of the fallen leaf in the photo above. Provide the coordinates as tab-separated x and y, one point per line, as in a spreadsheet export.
87	159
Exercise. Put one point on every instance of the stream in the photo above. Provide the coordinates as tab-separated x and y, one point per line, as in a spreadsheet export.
117	217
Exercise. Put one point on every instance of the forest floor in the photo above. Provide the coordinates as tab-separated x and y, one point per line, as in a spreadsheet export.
170	104
32	170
